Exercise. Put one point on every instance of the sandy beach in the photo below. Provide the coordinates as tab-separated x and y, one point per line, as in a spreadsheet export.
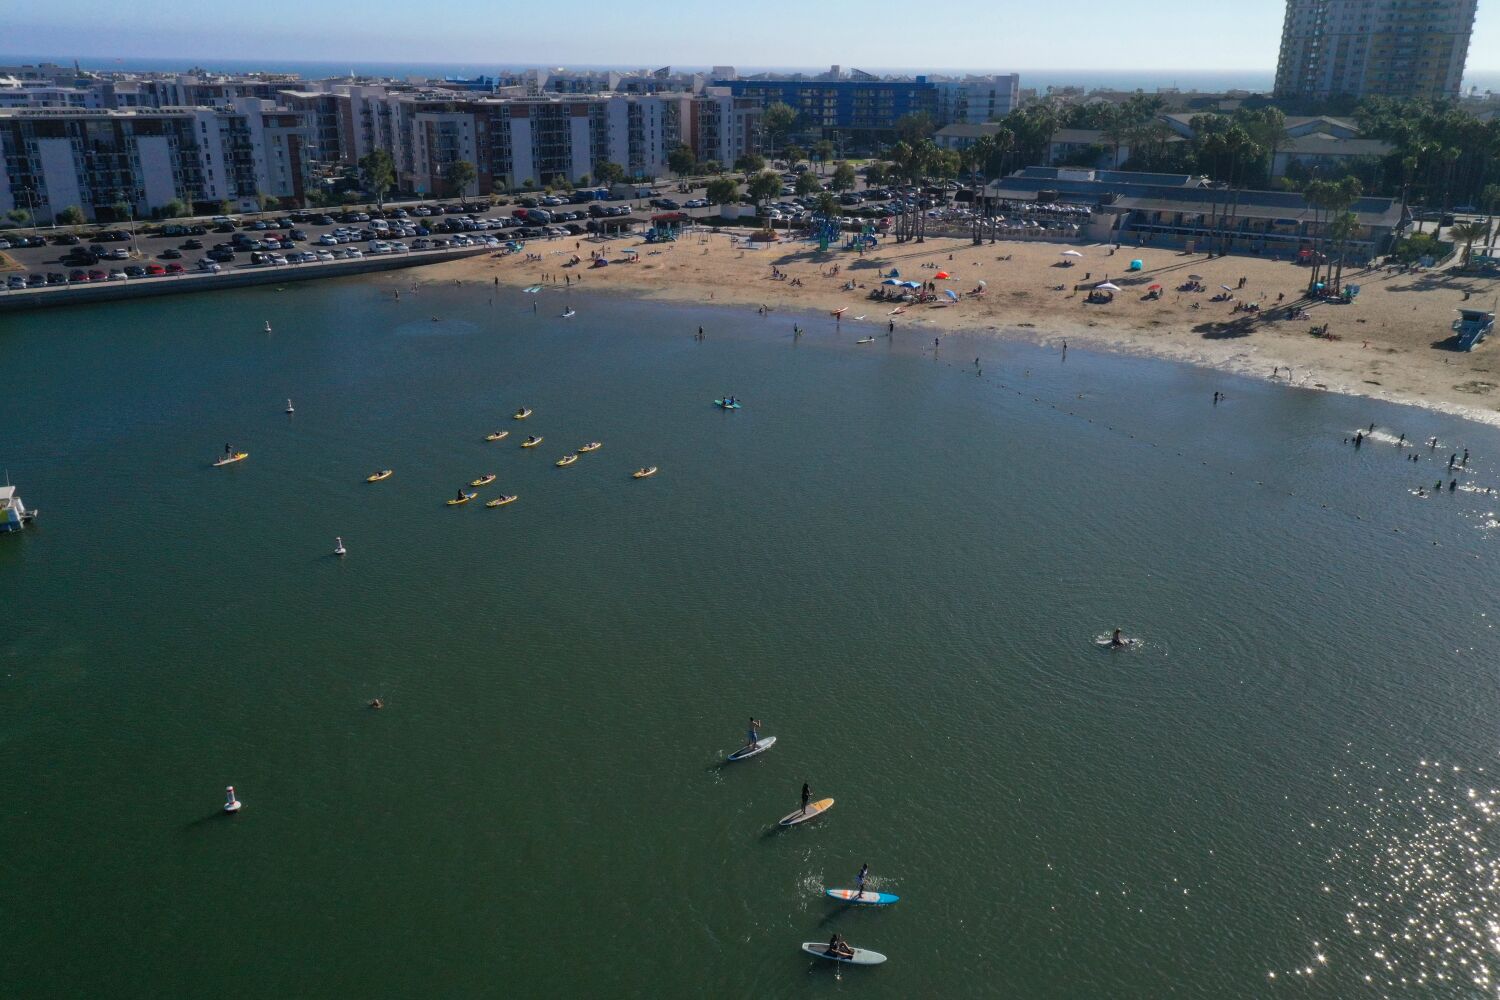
1390	343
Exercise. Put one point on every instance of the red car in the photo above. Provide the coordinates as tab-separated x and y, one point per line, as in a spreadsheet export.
96	276
153	270
174	268
78	276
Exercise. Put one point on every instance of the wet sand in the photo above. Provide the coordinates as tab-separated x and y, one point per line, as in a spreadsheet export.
1392	343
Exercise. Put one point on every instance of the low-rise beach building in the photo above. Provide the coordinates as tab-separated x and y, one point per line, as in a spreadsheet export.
1180	211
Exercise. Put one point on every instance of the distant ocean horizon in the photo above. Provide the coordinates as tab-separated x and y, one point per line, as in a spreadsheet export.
1258	80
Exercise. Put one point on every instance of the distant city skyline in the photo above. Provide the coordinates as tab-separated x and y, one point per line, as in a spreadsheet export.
995	35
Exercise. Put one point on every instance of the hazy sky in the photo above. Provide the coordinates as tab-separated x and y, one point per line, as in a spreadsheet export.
993	34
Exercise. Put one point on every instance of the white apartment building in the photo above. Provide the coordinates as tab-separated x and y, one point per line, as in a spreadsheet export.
976	99
53	158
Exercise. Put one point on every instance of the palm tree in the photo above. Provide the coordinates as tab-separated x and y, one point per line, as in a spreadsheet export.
1468	233
1490	199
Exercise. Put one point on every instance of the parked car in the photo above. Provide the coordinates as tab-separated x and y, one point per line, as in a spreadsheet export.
208	266
56	278
175	268
115	274
15	281
77	275
154	270
193	245
170	254
97	275
135	271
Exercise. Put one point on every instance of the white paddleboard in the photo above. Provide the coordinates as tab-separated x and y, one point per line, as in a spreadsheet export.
868	898
862	956
813	811
761	746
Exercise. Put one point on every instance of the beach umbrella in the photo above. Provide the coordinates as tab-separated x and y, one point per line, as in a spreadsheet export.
941	274
890	281
951	294
1071	253
1152	288
982	285
1108	286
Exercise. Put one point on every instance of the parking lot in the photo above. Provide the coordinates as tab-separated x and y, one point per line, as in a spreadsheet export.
145	251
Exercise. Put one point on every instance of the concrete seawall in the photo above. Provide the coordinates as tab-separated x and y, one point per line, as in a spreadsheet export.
138	288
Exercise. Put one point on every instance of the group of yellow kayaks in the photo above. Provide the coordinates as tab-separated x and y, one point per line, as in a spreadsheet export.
488	478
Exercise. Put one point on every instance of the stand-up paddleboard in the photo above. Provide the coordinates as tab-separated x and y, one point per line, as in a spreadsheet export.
1107	642
813	811
726	406
759	746
865	340
862	956
869	898
238	456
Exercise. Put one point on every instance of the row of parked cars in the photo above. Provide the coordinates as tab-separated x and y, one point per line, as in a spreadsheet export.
81	276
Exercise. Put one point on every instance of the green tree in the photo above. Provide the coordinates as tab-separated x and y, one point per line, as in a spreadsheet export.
681	160
793	155
777	120
461	174
19	216
750	164
1468	233
711	167
913	127
828	206
808	184
173	209
70	216
121	211
843	177
823	151
875	174
764	186
377	172
610	173
723	190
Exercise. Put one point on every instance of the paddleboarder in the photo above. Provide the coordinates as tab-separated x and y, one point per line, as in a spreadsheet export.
859	880
753	734
1117	640
839	948
806	795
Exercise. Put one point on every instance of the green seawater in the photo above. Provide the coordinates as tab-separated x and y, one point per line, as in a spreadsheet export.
899	564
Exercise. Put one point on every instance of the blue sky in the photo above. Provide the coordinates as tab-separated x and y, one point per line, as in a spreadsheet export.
994	34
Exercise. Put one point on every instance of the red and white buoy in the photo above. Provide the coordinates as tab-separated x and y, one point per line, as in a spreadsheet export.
231	804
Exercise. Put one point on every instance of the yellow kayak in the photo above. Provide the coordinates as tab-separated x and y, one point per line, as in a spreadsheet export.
483	480
591	446
566	460
643	473
465	499
523	413
499	501
531	443
497	436
238	456
377	477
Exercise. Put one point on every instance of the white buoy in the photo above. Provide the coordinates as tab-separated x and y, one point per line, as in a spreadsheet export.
231	804
268	326
289	407
338	546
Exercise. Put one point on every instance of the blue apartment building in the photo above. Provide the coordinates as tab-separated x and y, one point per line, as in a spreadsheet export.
860	114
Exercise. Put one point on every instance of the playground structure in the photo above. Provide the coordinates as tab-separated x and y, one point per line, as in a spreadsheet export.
667	227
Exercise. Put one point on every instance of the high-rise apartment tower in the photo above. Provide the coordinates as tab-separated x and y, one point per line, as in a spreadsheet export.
1395	48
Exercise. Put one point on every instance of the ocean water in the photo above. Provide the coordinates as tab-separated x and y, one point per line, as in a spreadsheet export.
898	561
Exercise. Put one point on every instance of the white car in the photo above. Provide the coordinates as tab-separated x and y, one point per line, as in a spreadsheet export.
208	266
398	247
353	252
328	240
324	255
421	244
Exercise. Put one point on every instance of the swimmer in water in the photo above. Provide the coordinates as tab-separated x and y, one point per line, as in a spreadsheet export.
1117	640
